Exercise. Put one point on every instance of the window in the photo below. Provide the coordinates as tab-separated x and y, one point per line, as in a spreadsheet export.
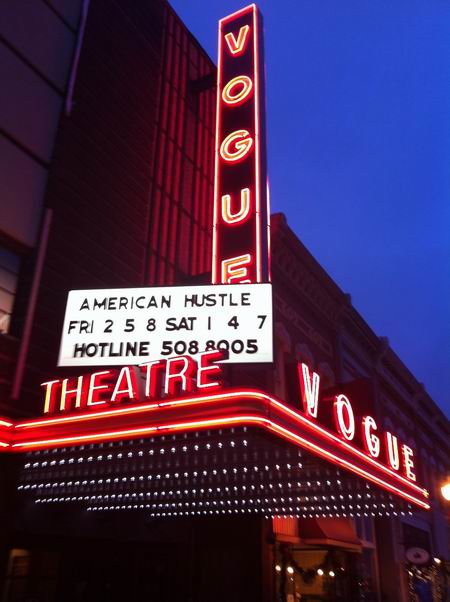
9	270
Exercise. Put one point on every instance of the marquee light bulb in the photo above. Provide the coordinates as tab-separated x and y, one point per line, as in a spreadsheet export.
320	572
290	570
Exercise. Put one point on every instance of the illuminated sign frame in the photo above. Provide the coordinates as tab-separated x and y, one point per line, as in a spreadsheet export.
241	211
118	326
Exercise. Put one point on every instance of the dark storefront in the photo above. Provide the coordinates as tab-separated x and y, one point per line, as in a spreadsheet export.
263	502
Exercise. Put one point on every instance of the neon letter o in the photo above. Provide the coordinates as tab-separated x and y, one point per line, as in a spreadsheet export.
345	419
229	94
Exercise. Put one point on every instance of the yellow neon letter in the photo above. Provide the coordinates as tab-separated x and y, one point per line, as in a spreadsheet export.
229	94
244	211
236	146
235	269
237	47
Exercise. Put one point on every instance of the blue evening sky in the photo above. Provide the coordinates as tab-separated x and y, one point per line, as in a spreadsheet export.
358	97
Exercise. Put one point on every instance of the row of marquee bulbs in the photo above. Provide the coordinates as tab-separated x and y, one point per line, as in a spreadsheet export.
258	502
122	502
176	512
320	572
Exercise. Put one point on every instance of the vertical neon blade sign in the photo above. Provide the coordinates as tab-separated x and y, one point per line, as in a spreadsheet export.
241	212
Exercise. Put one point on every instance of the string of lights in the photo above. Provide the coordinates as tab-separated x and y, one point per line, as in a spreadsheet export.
231	471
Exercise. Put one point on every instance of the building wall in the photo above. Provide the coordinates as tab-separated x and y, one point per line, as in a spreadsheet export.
181	175
37	40
129	179
316	323
122	181
36	46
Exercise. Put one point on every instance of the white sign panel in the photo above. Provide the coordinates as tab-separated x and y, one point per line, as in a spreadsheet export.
105	327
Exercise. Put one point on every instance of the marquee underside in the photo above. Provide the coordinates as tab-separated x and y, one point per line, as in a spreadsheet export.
235	471
232	452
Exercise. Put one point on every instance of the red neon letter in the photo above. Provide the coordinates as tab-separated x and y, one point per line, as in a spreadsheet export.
130	388
309	385
371	441
344	417
65	392
205	370
49	395
236	146
242	214
92	399
151	381
392	447
232	97
408	462
179	370
233	270
237	47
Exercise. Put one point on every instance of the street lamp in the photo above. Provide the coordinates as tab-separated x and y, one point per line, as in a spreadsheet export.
445	490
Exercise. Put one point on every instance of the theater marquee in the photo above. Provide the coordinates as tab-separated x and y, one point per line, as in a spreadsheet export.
181	395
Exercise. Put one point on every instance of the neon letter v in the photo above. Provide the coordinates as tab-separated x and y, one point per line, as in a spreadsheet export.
309	385
237	47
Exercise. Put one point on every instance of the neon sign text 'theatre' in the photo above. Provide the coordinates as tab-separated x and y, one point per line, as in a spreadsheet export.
151	380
